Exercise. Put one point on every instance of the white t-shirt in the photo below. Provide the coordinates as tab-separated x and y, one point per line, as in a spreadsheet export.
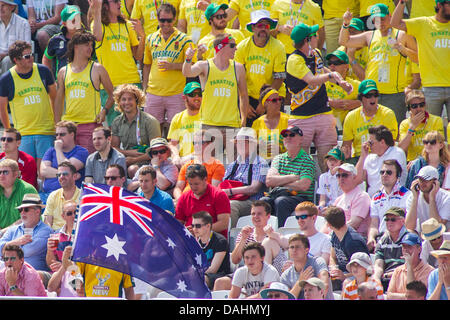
252	284
373	164
319	244
423	208
328	185
44	9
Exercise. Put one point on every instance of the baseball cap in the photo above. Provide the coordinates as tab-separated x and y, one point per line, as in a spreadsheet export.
367	85
396	211
341	55
213	8
69	12
294	129
411	239
191	86
316	282
357	24
428	173
259	15
379	10
336	153
349	168
301	31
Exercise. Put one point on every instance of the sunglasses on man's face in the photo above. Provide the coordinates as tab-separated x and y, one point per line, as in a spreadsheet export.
194	94
390	219
164	20
273	295
370	95
291	134
27	209
7	139
27	56
220	16
336	62
155	152
388	172
6	259
4	172
112	178
60	134
417	105
431	142
69	213
62	174
302	216
232	45
197	225
342	175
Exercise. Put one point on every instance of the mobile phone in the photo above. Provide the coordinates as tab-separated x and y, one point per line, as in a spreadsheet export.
416	187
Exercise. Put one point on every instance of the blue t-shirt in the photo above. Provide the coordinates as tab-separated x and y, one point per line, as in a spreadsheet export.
162	199
80	153
351	243
433	279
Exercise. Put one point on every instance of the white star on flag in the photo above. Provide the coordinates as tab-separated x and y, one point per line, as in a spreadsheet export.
114	247
181	285
171	243
198	259
187	233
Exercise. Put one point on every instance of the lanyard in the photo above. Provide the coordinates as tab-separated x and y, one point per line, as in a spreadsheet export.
364	116
138	129
294	23
116	37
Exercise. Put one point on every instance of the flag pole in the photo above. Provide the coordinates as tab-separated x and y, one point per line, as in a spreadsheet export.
73	234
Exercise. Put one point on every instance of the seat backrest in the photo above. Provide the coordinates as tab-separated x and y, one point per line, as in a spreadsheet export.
288	231
220	294
244	221
291	222
320	222
165	295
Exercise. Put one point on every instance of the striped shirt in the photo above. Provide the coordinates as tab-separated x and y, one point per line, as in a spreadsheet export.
302	165
390	251
350	291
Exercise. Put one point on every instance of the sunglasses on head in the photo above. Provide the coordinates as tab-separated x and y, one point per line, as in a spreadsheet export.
302	216
168	20
112	178
7	139
370	95
155	152
279	99
336	62
194	94
220	16
416	105
431	142
388	172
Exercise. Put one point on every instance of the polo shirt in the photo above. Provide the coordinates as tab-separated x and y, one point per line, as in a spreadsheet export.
149	128
54	206
27	167
161	199
302	165
398	281
389	251
96	167
78	152
8	212
214	200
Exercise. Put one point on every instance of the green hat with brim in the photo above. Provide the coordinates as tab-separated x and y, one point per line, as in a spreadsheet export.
301	31
191	86
357	24
379	10
336	153
259	15
341	55
367	85
213	8
69	12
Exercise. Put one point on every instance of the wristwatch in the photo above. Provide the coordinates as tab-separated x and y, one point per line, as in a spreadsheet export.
12	288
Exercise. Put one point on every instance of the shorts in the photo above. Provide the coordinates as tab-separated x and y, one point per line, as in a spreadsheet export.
164	108
320	129
36	145
50	29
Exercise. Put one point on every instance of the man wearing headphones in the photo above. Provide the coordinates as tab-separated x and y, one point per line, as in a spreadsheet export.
391	194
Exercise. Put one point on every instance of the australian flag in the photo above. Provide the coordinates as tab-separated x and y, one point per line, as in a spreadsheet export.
121	231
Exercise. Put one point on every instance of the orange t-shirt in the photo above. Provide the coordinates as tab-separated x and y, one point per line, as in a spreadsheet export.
214	167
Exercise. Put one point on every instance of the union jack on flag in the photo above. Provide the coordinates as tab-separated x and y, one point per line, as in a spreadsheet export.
119	230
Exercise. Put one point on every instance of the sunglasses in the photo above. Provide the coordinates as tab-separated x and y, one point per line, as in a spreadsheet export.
262	25
232	45
416	105
342	175
295	247
198	225
27	56
336	62
436	239
432	142
194	94
220	16
163	20
390	219
388	172
26	209
155	152
279	99
273	295
7	139
62	174
6	259
370	95
4	172
69	213
61	134
302	216
285	135
112	178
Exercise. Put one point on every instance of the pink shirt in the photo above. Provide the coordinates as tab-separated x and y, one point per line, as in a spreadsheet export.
356	203
28	281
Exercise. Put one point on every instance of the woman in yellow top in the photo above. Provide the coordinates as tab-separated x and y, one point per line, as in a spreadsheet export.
119	43
269	125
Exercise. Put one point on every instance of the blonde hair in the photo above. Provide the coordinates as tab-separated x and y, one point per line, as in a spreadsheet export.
139	95
413	94
444	154
12	164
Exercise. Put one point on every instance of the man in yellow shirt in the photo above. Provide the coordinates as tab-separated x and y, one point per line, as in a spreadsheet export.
162	79
244	10
365	7
147	11
289	13
216	16
264	59
432	36
388	49
185	123
370	114
413	130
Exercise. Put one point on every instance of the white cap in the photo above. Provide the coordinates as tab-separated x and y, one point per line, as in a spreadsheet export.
349	168
428	173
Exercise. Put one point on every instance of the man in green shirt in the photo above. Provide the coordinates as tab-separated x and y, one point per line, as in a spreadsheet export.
292	174
12	189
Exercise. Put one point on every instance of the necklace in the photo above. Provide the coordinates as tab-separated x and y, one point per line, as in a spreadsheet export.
203	246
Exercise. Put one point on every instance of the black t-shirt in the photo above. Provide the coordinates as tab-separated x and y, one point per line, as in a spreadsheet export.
218	243
7	82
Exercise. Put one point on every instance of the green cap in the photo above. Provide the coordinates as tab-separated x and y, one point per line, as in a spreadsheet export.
213	8
357	24
191	86
341	55
396	211
301	31
441	1
379	10
69	12
336	153
366	86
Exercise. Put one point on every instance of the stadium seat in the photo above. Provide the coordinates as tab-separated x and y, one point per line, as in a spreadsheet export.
320	223
220	294
165	295
247	221
291	222
287	231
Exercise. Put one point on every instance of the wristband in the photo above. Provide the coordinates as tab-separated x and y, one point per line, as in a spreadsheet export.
188	60
412	131
12	288
353	62
345	26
